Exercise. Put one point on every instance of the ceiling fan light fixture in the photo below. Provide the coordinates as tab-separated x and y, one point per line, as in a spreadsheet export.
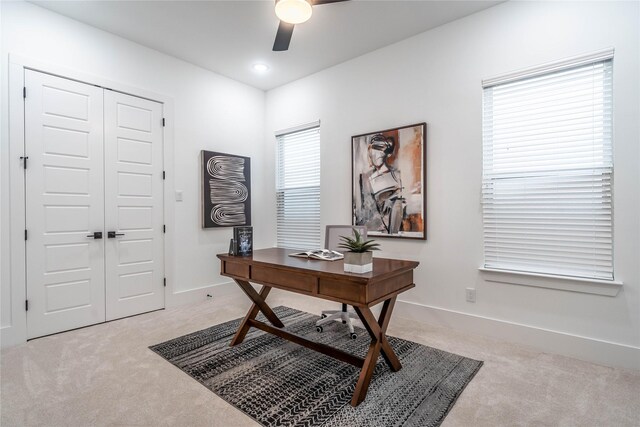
293	11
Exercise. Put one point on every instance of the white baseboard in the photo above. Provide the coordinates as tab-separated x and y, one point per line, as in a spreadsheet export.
10	336
192	296
583	348
229	288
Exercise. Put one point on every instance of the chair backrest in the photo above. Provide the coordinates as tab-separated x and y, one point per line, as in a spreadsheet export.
333	232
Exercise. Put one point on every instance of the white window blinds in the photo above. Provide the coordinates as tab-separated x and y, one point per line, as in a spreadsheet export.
298	189
547	171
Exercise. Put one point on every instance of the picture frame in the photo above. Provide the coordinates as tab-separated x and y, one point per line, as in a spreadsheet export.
388	174
226	190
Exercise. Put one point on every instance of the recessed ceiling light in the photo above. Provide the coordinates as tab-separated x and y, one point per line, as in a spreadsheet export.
261	68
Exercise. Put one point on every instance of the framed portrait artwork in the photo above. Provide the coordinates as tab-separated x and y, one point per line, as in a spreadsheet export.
388	182
226	190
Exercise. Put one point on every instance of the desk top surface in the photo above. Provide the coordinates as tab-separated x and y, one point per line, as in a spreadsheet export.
279	258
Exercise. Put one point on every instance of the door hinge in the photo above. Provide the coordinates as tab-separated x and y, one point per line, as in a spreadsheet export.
24	160
164	228
163	123
26	305
24	92
164	175
165	282
25	234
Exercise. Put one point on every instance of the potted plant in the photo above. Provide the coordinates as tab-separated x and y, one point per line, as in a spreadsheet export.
359	256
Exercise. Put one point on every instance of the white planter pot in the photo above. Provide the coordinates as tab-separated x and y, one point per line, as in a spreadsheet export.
358	262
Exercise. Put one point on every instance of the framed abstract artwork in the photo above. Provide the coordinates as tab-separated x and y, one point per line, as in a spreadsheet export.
226	190
389	180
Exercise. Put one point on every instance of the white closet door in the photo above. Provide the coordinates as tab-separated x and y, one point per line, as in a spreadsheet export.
133	200
64	204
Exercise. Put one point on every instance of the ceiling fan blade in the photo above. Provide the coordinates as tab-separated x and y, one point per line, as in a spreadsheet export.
319	2
283	36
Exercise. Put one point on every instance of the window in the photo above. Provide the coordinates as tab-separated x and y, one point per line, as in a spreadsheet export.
298	188
547	170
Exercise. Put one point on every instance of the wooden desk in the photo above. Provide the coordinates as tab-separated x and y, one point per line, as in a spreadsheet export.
273	268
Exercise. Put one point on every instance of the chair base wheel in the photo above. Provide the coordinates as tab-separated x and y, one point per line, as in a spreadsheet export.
353	336
318	328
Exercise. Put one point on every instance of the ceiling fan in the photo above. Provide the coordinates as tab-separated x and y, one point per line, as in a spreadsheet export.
291	12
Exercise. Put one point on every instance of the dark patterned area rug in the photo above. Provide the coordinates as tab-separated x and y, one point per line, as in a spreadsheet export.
279	383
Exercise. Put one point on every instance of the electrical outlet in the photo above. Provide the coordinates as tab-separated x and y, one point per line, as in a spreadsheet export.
471	295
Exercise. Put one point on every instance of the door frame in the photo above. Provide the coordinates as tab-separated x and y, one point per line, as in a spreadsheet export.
16	332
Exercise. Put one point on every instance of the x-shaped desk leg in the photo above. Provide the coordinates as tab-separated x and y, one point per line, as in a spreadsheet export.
259	304
377	329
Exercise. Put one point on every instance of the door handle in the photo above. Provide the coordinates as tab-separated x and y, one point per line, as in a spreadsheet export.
113	234
96	235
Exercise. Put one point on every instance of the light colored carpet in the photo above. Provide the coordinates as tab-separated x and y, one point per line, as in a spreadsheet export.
105	375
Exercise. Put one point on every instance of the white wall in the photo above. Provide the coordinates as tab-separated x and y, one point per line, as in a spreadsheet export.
211	112
436	77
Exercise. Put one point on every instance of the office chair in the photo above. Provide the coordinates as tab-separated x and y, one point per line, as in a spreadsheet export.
331	241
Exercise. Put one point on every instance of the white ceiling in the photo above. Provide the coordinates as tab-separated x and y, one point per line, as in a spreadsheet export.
228	37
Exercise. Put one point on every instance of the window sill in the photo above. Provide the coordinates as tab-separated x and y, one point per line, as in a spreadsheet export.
588	286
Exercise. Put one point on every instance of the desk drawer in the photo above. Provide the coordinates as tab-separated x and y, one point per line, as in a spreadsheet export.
343	291
286	280
236	269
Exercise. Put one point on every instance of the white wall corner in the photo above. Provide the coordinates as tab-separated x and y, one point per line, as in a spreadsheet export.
548	341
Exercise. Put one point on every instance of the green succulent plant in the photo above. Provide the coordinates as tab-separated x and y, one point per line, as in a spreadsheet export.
358	244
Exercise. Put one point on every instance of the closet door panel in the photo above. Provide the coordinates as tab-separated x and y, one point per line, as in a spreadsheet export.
134	205
64	204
